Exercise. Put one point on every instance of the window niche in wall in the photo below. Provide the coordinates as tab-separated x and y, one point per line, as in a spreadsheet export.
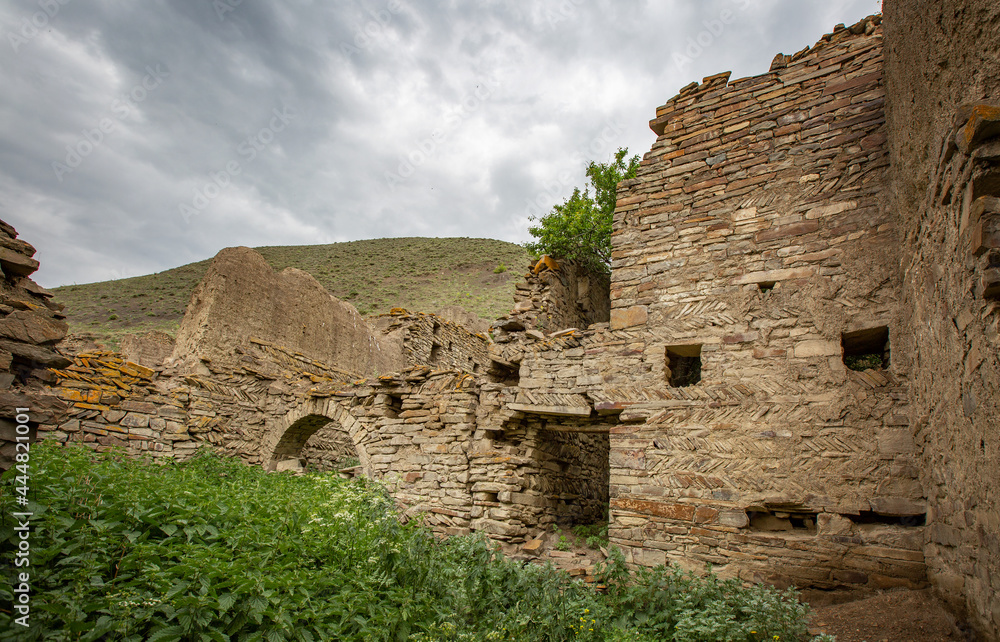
774	521
865	349
683	365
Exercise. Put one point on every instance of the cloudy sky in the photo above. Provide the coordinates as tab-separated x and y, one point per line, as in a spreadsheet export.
139	136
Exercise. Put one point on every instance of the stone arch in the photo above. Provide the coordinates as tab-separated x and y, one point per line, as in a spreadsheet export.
289	435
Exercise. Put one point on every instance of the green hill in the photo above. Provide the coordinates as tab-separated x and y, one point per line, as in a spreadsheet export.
420	274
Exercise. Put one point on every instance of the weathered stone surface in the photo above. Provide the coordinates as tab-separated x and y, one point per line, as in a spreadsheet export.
736	519
149	349
896	442
30	327
289	465
816	348
532	546
43	356
684	512
629	317
775	275
943	146
978	122
242	297
16	263
833	525
897	506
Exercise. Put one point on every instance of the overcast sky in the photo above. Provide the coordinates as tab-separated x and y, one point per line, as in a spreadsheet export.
139	136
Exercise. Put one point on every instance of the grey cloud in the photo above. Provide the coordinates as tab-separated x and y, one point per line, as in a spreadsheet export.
370	83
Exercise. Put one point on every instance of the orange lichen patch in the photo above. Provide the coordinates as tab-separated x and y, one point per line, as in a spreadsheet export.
91	406
135	370
546	262
84	396
981	122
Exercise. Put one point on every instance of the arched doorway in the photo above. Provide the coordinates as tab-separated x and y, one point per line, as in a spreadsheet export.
320	434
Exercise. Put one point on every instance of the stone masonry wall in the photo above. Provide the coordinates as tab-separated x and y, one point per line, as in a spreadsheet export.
241	296
416	430
943	89
31	326
557	295
434	341
754	239
554	458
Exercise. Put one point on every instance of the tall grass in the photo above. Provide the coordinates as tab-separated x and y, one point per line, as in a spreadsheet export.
212	549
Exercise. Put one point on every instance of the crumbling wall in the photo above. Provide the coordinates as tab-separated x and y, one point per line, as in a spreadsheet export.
241	296
420	434
149	349
943	89
431	340
557	295
277	408
31	326
552	454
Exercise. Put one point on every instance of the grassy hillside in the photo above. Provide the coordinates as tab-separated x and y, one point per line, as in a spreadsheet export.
420	274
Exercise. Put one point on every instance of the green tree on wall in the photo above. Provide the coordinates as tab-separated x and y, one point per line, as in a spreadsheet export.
580	228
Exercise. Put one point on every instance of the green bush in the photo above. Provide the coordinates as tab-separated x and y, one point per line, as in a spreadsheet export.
594	535
212	549
580	228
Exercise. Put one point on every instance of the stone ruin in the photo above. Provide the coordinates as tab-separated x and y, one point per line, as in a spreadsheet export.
794	378
31	325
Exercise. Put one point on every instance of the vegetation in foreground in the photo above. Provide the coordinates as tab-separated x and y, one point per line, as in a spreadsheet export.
419	274
212	549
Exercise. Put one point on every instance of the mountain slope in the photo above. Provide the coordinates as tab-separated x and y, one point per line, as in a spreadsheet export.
420	274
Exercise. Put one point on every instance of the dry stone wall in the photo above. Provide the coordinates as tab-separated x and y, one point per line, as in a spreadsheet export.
943	84
416	430
31	326
431	340
557	295
150	349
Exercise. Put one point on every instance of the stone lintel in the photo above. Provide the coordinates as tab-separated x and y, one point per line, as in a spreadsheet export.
559	411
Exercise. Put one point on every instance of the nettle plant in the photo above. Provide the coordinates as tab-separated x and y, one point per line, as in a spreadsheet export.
212	549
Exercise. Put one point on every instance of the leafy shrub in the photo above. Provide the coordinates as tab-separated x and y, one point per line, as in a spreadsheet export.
594	535
580	228
212	549
500	269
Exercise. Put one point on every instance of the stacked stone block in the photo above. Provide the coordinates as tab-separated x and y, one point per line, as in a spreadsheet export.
953	288
431	340
31	326
943	93
752	239
557	295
